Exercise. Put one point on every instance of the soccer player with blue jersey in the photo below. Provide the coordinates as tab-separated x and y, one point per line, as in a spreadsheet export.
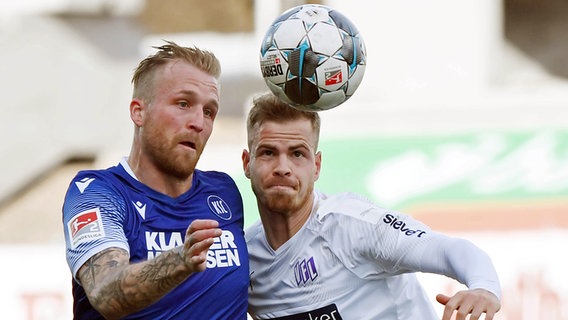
153	237
318	256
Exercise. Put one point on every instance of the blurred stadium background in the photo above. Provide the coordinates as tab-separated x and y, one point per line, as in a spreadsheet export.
461	121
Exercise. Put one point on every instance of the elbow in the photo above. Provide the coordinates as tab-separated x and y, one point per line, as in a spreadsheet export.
108	307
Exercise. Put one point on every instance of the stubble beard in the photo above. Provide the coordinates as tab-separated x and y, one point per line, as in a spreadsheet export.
279	202
168	159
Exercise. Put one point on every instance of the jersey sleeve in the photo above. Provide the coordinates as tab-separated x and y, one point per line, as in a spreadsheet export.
456	258
377	242
413	246
93	219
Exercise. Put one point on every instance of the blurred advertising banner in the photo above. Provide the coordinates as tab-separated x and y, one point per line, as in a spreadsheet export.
414	172
476	181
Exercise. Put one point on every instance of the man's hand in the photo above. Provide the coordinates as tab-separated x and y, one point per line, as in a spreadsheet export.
198	238
474	302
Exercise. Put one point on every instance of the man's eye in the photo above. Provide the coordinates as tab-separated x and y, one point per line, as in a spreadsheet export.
210	113
183	104
298	154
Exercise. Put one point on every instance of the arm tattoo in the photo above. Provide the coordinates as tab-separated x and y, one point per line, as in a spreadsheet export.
117	288
101	264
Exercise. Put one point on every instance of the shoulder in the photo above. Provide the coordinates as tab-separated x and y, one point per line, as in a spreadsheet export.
212	174
97	187
348	205
254	232
216	183
93	179
214	177
362	214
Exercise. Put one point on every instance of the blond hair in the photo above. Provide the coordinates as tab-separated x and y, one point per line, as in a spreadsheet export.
268	107
143	77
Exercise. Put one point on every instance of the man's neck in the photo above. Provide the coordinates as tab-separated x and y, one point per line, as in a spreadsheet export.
163	183
280	227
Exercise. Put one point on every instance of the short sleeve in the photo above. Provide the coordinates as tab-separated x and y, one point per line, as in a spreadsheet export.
93	219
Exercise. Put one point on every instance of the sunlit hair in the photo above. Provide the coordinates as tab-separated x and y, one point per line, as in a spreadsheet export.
267	107
143	77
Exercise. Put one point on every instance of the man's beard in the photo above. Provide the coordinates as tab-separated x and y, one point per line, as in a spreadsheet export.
169	161
280	202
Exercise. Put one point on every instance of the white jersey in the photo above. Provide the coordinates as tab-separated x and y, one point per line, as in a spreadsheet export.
354	260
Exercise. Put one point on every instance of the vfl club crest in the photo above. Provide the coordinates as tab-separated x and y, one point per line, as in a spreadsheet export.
305	271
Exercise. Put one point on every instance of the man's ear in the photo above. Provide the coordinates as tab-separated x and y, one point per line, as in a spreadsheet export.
137	112
246	160
318	166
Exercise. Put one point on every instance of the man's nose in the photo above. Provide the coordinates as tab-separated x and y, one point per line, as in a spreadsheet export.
282	166
196	119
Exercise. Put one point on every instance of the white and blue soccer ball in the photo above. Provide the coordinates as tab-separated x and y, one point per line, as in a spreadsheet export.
313	57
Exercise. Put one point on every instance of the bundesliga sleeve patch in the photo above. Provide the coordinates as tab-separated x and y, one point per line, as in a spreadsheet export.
85	226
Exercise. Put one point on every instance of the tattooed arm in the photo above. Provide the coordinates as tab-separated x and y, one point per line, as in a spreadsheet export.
117	288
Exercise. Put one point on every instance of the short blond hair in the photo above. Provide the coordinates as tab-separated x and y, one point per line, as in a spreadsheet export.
268	107
143	77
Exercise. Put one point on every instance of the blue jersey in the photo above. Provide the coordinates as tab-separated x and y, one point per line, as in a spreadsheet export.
110	208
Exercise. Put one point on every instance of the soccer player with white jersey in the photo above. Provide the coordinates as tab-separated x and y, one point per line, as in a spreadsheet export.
318	256
154	237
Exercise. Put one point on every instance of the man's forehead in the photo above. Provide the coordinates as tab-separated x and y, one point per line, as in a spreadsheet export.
291	134
296	128
287	124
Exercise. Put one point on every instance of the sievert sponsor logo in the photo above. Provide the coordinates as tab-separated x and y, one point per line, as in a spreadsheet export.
329	312
305	270
401	225
222	253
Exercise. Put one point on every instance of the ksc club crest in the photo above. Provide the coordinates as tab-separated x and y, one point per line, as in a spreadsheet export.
219	207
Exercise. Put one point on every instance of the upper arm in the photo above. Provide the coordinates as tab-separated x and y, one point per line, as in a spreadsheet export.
94	221
100	267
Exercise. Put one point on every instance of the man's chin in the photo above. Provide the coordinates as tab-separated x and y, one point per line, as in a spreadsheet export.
181	169
279	202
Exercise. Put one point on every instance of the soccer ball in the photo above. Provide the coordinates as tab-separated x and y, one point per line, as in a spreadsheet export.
313	57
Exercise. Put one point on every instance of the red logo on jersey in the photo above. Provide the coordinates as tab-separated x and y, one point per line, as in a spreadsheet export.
85	226
333	77
82	221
